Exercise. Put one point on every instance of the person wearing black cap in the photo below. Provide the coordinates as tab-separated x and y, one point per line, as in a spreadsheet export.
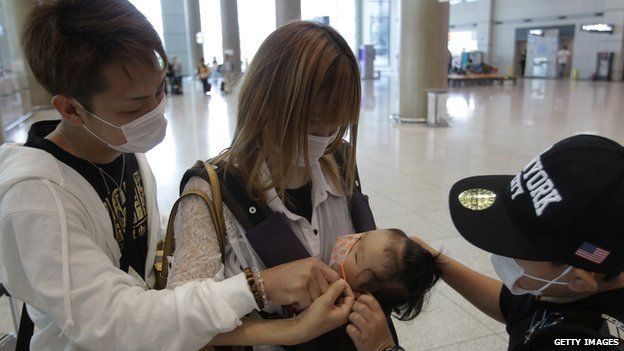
556	234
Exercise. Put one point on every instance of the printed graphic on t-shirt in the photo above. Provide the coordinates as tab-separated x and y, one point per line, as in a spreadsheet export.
116	205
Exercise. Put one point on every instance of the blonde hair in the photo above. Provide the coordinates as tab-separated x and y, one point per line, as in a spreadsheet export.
284	79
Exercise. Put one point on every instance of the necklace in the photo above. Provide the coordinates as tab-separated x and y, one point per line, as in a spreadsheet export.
100	169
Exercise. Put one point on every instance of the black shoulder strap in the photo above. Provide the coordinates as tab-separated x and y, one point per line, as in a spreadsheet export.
247	211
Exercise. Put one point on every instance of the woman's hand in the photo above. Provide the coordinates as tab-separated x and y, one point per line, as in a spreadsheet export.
328	312
299	282
369	327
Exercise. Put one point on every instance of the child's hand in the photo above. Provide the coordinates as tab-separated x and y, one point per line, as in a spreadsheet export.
368	327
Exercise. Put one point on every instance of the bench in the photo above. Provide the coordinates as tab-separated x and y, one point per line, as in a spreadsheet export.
472	79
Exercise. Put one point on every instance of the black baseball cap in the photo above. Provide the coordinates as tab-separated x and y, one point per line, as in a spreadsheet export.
566	205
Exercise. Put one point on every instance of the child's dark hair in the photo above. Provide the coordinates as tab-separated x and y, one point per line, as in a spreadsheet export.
403	292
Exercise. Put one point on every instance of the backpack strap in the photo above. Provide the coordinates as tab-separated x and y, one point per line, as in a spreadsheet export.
268	232
215	208
247	211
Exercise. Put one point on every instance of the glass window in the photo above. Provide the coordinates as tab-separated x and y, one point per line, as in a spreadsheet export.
211	30
376	29
152	10
256	20
339	13
462	41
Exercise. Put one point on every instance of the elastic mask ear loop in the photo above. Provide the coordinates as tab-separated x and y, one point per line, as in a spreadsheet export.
97	117
344	275
555	281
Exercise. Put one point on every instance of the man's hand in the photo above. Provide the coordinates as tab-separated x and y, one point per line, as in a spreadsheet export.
298	282
326	313
369	327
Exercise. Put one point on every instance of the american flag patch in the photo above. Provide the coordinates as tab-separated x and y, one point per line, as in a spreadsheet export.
592	253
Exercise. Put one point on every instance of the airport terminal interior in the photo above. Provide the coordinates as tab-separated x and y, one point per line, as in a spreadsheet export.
489	93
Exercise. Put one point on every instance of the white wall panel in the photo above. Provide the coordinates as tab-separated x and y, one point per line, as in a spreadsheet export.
508	15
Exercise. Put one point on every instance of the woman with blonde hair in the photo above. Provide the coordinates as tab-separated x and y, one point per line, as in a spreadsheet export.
288	179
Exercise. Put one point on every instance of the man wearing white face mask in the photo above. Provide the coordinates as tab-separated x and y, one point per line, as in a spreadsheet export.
79	220
555	232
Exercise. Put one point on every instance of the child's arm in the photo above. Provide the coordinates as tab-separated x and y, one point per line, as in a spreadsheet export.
482	291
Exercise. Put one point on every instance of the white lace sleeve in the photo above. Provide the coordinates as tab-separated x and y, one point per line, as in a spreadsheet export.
197	254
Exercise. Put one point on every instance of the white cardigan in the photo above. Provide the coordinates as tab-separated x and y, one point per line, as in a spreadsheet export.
59	255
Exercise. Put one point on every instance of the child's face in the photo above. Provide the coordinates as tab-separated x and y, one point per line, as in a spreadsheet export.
375	254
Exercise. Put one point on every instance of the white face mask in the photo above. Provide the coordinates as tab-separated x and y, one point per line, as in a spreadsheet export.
142	134
316	148
510	271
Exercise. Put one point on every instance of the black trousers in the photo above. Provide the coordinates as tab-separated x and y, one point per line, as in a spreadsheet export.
206	85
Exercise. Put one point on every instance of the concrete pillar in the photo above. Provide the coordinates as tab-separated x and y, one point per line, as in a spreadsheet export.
34	96
424	55
193	26
181	22
359	18
485	28
175	32
230	32
286	11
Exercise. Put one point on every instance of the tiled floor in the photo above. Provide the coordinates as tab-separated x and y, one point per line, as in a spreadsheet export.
407	170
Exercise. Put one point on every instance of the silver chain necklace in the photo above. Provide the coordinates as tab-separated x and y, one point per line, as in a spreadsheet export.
102	171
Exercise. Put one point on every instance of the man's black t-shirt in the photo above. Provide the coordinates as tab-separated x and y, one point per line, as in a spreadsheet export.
133	251
519	312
